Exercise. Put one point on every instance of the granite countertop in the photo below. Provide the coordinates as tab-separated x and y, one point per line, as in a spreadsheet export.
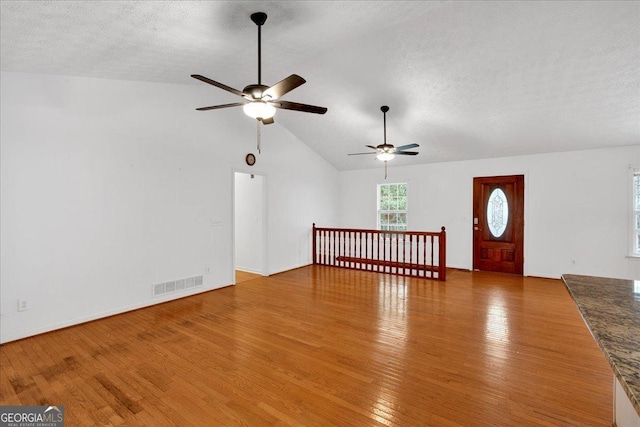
611	310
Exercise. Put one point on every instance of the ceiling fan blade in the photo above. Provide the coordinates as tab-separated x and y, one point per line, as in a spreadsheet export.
358	154
299	107
268	121
406	147
220	85
407	153
217	107
284	86
372	147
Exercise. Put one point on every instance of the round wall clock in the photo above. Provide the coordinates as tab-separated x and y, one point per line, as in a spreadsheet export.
250	159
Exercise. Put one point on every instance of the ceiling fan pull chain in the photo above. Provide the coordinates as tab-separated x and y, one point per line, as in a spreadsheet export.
258	124
385	170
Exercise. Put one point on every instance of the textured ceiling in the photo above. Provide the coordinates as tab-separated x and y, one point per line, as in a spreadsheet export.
463	79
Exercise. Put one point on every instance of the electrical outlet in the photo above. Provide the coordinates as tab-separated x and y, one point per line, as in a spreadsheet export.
23	305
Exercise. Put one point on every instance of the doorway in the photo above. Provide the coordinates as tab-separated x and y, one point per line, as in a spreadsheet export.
498	224
249	224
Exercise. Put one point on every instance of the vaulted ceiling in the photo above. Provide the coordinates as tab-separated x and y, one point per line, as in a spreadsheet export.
464	80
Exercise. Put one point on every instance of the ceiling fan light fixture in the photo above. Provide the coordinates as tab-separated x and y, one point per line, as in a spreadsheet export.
385	156
259	110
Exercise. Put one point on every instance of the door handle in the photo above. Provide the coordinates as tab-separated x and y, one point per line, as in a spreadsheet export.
476	229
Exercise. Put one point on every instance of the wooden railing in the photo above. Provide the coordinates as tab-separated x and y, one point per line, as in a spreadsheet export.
407	253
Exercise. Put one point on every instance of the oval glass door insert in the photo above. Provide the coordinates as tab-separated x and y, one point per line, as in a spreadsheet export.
497	212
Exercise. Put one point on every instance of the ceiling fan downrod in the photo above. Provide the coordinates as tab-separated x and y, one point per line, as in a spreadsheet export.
259	18
384	110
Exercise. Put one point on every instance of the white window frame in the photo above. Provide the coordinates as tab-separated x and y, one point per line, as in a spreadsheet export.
634	231
396	211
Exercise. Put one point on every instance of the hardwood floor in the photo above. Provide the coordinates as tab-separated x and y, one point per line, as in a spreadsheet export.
244	276
322	346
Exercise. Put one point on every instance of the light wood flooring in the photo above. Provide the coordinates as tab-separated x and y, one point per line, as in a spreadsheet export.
323	346
244	276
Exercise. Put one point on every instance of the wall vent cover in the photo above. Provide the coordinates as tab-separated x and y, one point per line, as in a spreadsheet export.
176	285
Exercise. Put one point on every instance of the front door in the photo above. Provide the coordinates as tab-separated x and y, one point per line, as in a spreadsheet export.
498	224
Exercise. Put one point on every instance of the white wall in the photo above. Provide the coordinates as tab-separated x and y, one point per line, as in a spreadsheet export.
249	221
576	207
108	187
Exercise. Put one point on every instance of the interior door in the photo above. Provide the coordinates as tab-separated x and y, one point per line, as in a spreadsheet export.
498	224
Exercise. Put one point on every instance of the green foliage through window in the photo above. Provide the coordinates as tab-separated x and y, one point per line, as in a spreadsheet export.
392	207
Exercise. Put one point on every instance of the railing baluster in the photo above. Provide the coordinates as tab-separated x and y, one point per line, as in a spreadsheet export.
347	253
326	247
421	261
403	251
329	248
418	254
333	241
356	243
378	251
340	248
432	265
424	254
343	252
327	239
400	249
410	252
334	238
366	251
359	250
384	249
356	249
397	258
351	242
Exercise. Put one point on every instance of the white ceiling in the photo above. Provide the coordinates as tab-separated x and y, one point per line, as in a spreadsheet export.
464	80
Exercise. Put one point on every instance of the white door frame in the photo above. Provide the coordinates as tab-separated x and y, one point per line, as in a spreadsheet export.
264	270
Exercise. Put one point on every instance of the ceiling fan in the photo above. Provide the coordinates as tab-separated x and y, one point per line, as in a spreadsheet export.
386	152
260	101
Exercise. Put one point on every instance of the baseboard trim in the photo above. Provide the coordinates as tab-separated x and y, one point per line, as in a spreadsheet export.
249	270
294	267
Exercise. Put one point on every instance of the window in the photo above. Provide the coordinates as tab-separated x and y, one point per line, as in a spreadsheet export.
392	207
635	214
497	212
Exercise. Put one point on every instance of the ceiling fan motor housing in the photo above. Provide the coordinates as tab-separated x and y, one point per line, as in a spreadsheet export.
255	91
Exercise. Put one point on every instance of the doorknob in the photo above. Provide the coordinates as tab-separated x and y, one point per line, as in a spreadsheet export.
477	228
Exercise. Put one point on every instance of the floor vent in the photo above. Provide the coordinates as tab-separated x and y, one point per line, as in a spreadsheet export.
176	285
